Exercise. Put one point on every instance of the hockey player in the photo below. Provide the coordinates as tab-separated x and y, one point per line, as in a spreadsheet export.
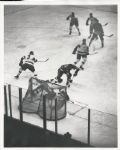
27	63
73	21
65	69
97	32
82	52
21	61
92	21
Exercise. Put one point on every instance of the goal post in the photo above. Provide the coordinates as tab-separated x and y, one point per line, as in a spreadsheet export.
33	99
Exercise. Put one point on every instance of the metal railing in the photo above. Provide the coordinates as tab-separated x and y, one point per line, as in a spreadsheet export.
97	125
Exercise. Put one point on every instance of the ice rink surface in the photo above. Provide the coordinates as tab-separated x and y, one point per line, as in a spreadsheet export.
44	30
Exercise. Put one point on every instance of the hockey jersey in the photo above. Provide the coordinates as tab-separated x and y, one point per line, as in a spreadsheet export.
81	49
98	29
73	21
92	20
30	60
66	68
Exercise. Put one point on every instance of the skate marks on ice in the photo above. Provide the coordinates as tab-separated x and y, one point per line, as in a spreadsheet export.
75	106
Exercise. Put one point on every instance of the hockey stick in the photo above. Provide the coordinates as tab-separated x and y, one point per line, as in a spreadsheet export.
105	24
75	102
93	53
78	104
109	35
43	60
74	113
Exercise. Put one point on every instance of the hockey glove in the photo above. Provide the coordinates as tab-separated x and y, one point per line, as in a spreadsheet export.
76	72
87	22
74	51
67	18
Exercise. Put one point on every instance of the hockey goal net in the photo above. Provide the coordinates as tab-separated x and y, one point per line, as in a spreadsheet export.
33	99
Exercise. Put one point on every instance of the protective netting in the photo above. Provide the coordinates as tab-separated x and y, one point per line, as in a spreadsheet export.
33	100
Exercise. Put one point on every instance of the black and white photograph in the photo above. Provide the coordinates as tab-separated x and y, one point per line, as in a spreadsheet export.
60	75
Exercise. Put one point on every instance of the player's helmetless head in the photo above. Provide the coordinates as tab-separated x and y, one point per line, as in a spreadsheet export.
73	14
91	15
31	53
84	40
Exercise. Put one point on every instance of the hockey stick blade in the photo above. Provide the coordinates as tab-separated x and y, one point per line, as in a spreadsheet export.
43	60
109	35
105	24
93	53
78	103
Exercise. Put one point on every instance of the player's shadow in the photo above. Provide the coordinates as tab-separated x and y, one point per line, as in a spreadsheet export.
68	36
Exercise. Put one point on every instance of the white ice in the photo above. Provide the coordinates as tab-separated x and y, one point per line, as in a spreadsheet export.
45	31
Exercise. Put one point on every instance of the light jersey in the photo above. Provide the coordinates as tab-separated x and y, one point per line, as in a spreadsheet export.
30	60
83	49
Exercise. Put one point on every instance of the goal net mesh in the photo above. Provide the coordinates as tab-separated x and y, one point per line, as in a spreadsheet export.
33	99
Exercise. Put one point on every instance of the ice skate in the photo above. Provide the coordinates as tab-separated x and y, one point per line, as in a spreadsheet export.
75	74
70	80
81	68
35	75
16	77
102	45
68	83
70	33
75	62
79	33
89	37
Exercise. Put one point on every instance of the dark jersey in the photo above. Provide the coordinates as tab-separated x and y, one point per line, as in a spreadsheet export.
98	29
73	21
67	68
92	20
